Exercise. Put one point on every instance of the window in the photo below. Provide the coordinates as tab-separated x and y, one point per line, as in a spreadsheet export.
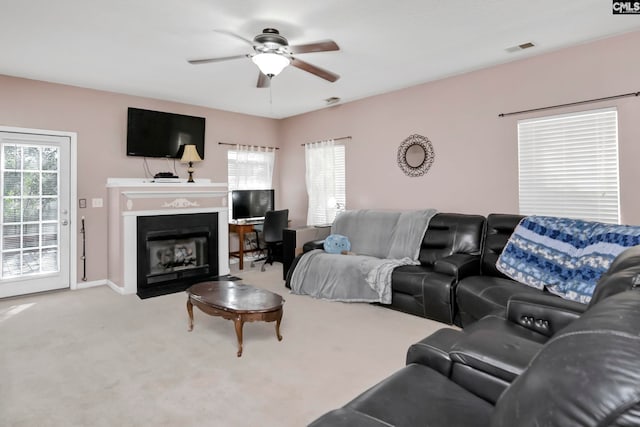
569	165
250	168
325	179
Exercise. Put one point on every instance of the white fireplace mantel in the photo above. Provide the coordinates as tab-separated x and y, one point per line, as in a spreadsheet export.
151	183
139	189
154	194
130	198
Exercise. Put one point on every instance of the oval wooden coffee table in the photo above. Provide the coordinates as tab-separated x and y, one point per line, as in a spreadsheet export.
235	301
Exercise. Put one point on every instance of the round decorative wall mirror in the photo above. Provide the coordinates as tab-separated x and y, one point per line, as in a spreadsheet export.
415	155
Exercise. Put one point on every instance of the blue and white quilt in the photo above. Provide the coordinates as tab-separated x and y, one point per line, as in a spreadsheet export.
567	256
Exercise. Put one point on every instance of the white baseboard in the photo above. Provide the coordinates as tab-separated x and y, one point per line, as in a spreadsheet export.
93	283
85	285
116	288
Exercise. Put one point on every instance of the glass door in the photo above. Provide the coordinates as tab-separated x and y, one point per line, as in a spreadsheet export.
35	232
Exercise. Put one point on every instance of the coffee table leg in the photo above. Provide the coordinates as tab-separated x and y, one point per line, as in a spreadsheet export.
239	322
278	320
190	311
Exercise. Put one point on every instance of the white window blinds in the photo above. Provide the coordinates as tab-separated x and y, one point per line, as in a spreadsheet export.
325	179
569	166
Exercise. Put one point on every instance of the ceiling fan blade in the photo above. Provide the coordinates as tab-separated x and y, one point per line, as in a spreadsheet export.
263	81
320	72
321	46
208	60
229	33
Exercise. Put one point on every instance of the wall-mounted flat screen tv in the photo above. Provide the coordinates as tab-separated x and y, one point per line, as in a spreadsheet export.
159	134
251	203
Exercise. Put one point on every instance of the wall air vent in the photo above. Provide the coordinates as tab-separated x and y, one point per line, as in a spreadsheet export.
520	47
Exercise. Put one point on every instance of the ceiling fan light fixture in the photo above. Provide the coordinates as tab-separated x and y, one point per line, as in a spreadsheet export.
270	64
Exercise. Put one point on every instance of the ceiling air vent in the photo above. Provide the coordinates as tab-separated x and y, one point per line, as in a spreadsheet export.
332	100
520	47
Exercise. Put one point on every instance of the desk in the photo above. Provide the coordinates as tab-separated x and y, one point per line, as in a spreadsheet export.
242	229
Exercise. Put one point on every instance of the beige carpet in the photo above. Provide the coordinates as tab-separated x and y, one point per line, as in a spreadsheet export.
96	358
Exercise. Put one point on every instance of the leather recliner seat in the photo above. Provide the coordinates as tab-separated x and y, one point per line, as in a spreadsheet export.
489	290
588	373
450	251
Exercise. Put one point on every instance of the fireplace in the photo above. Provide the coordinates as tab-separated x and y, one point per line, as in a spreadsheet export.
175	251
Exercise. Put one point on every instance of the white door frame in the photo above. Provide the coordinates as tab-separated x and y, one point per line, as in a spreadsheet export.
73	194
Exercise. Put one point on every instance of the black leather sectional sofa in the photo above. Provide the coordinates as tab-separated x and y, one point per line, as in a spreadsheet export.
456	281
538	363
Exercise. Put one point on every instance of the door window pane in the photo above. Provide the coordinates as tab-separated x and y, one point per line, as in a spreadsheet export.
31	210
11	264
31	158
49	260
30	235
11	157
50	159
49	234
49	184
31	184
10	237
11	183
49	209
30	261
11	210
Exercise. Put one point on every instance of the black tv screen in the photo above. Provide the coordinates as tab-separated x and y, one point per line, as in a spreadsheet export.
159	134
251	203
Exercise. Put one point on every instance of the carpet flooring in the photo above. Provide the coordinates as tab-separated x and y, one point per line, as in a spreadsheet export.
95	358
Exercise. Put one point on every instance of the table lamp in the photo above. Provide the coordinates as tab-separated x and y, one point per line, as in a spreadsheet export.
190	156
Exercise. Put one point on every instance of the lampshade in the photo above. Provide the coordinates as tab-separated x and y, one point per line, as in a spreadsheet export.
190	154
271	64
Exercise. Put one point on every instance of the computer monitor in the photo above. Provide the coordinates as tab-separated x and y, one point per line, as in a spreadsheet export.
246	204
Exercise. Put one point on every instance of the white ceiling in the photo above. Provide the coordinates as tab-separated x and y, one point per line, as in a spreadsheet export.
141	47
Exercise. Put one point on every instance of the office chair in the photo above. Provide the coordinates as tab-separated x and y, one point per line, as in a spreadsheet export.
274	223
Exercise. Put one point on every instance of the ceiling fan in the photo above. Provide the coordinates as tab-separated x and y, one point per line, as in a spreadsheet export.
272	54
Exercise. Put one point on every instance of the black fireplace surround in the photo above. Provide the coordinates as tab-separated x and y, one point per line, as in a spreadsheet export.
175	251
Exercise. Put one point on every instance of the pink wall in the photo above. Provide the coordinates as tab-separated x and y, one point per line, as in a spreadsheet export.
99	118
475	168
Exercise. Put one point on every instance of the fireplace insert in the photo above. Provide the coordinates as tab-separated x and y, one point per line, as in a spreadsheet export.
175	251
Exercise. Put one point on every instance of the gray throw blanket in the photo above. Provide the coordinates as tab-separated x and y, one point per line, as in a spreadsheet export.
381	242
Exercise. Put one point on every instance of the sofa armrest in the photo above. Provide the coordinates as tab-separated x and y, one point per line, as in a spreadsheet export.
500	355
313	244
458	265
433	351
544	313
485	362
307	247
